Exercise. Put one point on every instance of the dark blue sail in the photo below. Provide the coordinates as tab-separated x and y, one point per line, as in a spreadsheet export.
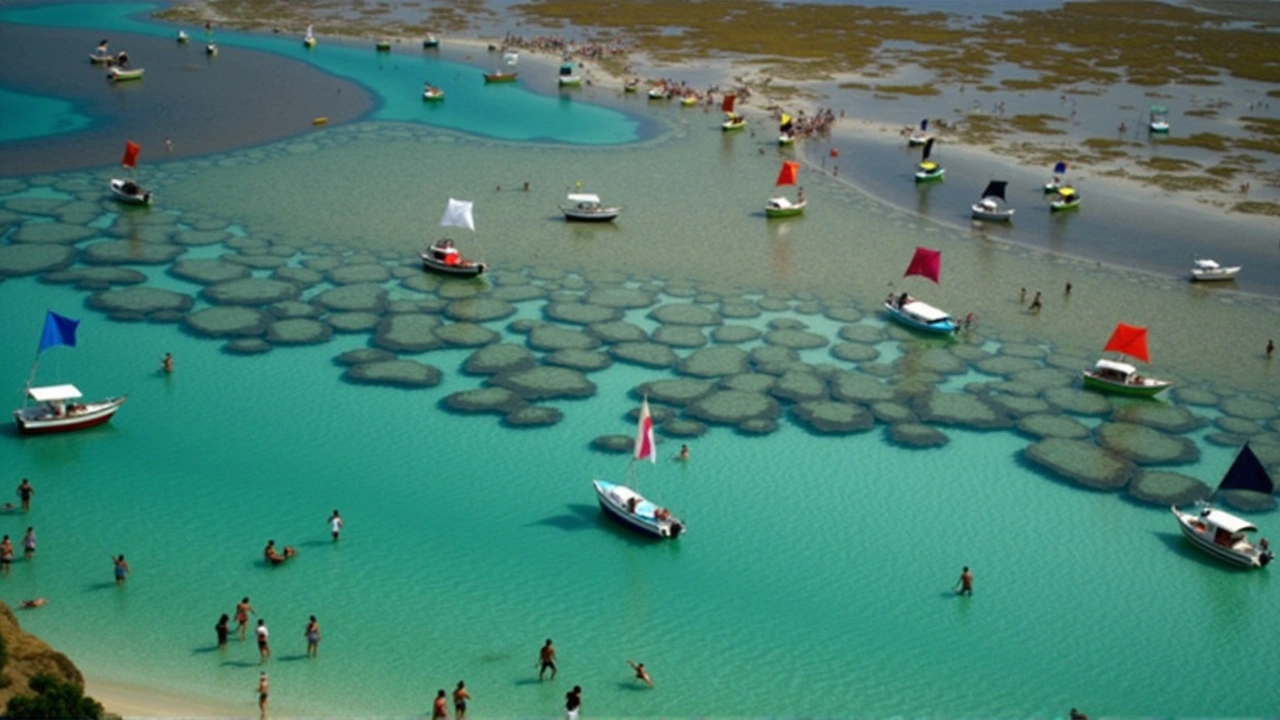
1247	473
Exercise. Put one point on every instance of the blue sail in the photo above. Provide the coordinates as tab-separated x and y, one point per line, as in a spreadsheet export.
1247	473
58	330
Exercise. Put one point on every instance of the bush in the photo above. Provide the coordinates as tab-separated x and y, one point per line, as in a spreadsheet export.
53	699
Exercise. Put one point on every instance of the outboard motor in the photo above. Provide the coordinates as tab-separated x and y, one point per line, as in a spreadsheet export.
676	529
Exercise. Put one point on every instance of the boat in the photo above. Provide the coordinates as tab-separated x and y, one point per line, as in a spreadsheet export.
625	504
1059	169
211	49
443	256
1122	378
782	206
733	120
183	38
1159	119
587	207
432	93
1221	534
786	130
689	100
56	409
309	40
101	55
569	76
119	74
125	189
993	207
504	76
913	312
921	136
631	85
1068	199
927	170
659	93
430	41
382	46
1205	270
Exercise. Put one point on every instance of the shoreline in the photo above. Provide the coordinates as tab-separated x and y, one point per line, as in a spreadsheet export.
135	701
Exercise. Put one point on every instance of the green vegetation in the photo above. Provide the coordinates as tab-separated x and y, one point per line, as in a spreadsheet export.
909	89
1161	164
1208	141
1038	124
1252	207
53	699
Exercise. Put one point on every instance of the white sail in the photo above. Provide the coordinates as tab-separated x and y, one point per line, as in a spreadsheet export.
310	33
458	214
511	58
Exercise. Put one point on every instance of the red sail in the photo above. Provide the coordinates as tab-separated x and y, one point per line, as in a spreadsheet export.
1129	340
787	176
926	262
727	105
131	150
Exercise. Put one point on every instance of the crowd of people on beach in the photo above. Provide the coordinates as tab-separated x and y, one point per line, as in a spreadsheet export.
554	44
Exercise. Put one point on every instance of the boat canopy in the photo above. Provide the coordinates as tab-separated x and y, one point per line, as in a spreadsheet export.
929	166
1227	521
925	311
1116	366
566	69
1207	264
1067	192
50	393
584	198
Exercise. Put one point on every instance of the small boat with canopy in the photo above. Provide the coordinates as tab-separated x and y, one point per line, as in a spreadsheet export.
586	207
443	256
1158	121
183	38
1068	199
1059	169
309	40
125	189
1119	377
624	503
914	313
928	170
786	130
993	207
1221	534
382	46
1206	270
510	59
921	136
102	55
432	93
732	119
781	206
430	42
56	409
569	75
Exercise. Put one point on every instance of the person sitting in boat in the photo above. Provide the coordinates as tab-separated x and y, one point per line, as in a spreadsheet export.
903	299
632	502
661	514
130	187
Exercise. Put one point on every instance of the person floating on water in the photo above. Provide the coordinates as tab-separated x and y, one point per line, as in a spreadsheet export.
641	674
684	453
33	603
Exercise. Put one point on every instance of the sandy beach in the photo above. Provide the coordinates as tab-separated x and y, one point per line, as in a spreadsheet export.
130	701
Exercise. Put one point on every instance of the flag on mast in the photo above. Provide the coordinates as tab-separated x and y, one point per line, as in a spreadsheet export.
58	330
645	445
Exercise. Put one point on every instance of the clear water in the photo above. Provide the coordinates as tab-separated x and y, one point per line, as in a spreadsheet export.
816	578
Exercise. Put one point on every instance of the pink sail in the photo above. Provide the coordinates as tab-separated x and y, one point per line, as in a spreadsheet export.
645	445
927	263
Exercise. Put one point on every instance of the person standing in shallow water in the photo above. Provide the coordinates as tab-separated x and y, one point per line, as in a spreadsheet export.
547	660
223	630
25	491
264	650
121	569
460	698
167	363
335	525
264	690
312	634
573	703
243	610
29	543
965	586
1271	348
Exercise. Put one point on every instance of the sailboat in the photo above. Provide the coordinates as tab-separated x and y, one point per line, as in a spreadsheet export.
569	75
625	504
430	42
913	313
733	120
993	206
782	206
1119	377
443	256
1221	534
56	410
921	136
1159	119
786	130
125	189
310	39
928	170
499	76
102	56
1068	199
1059	169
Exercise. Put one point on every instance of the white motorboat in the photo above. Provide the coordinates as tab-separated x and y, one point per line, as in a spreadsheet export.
1205	270
55	411
992	207
1159	119
128	191
586	207
921	136
1221	534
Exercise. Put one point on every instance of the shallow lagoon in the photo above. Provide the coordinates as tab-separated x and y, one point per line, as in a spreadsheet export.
817	567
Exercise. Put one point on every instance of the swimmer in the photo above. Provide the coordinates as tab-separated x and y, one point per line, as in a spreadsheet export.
167	362
641	674
33	603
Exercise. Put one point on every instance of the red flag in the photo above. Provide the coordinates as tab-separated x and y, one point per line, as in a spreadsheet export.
131	150
646	447
787	176
1129	340
835	152
727	104
925	262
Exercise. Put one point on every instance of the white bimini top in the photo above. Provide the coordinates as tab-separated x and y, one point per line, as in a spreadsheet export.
50	393
924	311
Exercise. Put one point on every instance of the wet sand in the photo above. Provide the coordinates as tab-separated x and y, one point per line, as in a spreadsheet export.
204	104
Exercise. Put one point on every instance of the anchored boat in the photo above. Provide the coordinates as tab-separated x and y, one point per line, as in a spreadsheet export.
125	189
1115	376
625	504
914	313
1221	534
55	409
993	207
733	120
927	170
782	206
443	256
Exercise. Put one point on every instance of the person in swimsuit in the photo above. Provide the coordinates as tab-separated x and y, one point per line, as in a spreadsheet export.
6	554
966	582
243	611
440	708
121	569
547	660
264	690
460	698
335	525
264	650
25	491
167	363
312	634
29	543
33	603
223	630
573	702
641	674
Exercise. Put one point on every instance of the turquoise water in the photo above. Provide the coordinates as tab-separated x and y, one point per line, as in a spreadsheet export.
28	116
816	576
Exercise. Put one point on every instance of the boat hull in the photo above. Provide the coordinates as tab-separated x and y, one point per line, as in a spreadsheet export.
118	75
942	327
463	269
1059	206
918	140
1253	558
785	140
922	177
643	520
992	215
733	126
604	215
570	81
102	59
500	77
432	97
142	197
784	212
1218	275
39	420
309	42
1149	387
